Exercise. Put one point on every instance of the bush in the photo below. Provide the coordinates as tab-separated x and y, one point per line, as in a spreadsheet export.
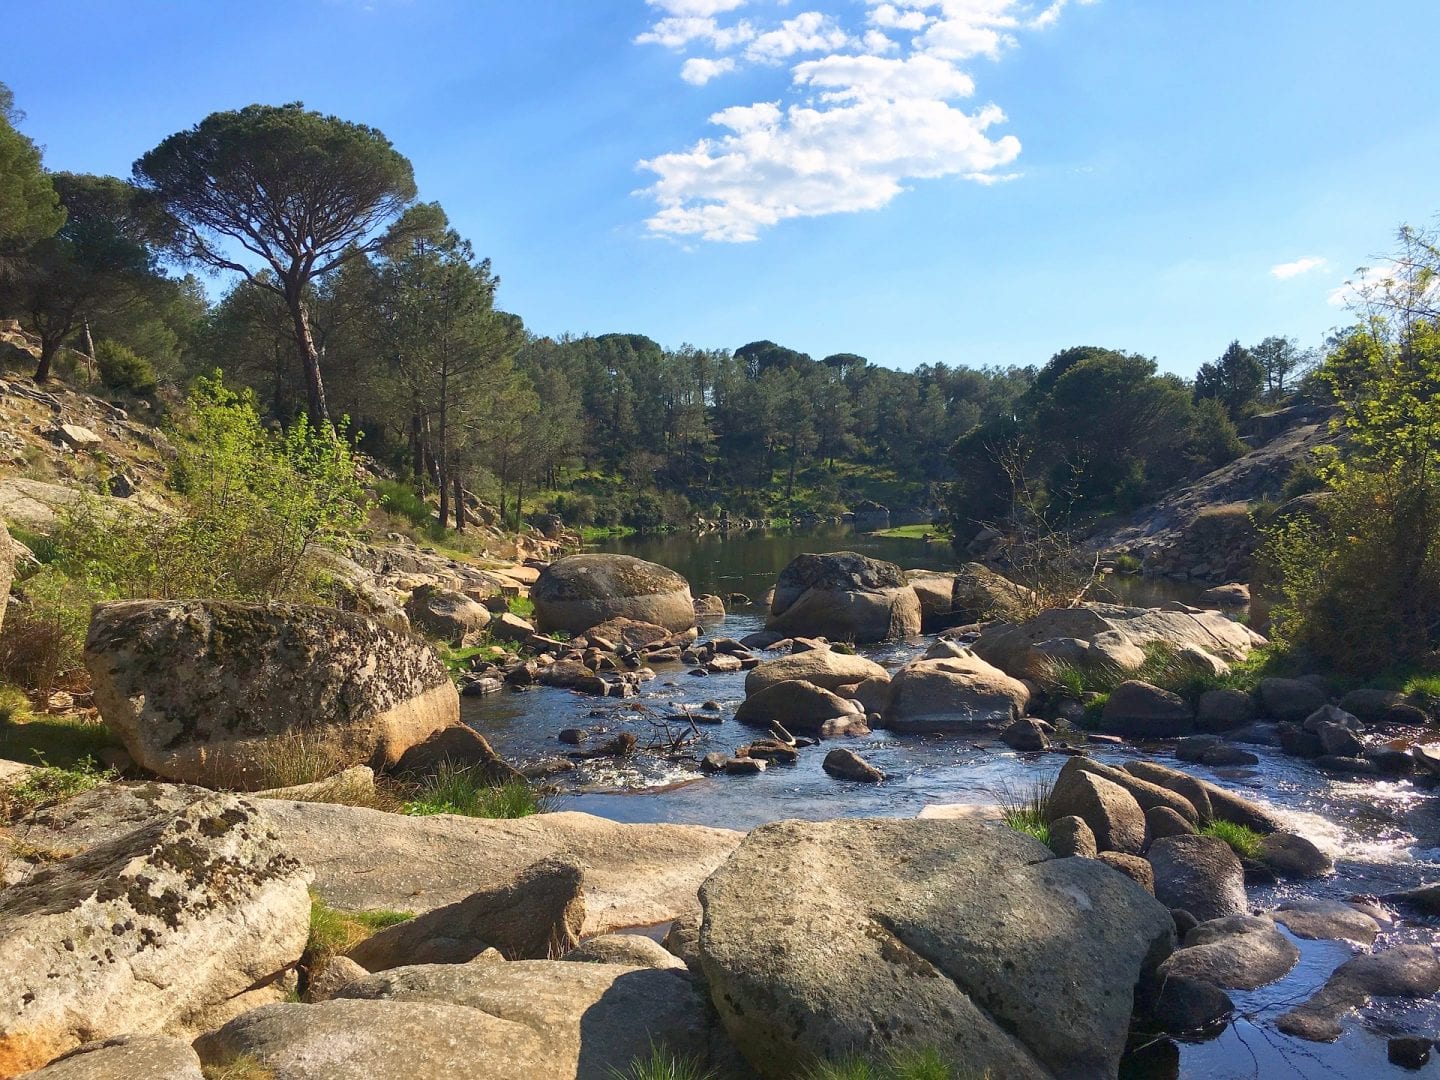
121	369
43	639
400	498
576	510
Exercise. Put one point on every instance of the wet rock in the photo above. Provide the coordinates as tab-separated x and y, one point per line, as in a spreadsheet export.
1132	866
1297	742
844	596
1409	1051
1289	699
1425	898
1260	733
714	762
1234	595
537	915
1238	952
572	736
709	606
800	706
127	1057
1200	874
1071	837
631	950
953	696
1114	817
1186	1006
213	873
761	639
1138	710
1194	747
1292	856
1025	734
1327	920
848	765
774	752
1223	710
744	767
208	692
825	668
578	592
1222	804
1347	766
924	933
1392	762
1404	971
1162	821
1222	756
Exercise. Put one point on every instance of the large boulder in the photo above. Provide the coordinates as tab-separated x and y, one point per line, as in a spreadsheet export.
925	933
1290	699
148	932
1199	874
1239	952
844	596
955	695
538	915
1014	647
827	668
969	595
126	1057
800	706
206	692
524	1020
1114	817
580	591
448	615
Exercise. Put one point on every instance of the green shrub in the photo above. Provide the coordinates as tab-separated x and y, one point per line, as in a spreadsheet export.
401	499
1304	479
462	790
121	369
1244	840
42	641
1128	564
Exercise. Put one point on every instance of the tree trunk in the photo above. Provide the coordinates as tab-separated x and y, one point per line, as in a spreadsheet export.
519	499
89	344
444	485
417	451
48	349
459	502
309	358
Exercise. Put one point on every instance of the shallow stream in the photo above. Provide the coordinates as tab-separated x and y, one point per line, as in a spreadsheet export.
1384	835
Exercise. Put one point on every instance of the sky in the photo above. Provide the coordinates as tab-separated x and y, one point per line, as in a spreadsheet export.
917	181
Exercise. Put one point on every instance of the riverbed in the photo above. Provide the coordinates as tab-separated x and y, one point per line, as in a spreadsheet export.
1384	834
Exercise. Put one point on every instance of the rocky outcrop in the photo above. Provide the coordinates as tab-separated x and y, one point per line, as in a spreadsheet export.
1116	636
844	596
956	695
538	915
575	593
203	691
503	1021
143	933
930	933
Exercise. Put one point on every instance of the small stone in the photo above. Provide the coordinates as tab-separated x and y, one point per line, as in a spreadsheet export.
1408	1051
744	766
1024	735
571	736
848	765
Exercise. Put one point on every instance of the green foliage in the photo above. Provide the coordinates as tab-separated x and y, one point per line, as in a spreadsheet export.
522	606
122	369
663	1064
256	503
30	209
50	784
42	640
334	932
1244	840
462	790
38	738
1027	810
1235	380
398	497
1360	578
1128	564
1304	479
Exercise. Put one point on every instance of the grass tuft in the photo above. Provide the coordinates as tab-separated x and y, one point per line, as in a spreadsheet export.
462	790
241	1067
1244	840
905	1064
521	606
663	1064
334	932
49	784
1027	809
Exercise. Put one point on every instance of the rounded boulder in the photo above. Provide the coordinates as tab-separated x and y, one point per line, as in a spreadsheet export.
580	591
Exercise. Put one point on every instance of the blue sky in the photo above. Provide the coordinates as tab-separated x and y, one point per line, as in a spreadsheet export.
968	181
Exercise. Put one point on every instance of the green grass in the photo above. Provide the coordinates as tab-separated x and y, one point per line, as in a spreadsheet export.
241	1067
49	784
399	498
37	739
334	932
916	532
1027	810
1127	564
521	606
455	789
926	1064
1243	840
662	1064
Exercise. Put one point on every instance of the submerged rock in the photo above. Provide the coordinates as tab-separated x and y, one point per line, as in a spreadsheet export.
212	693
1238	952
1404	971
917	933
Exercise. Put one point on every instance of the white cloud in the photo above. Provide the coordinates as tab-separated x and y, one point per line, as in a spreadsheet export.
699	70
1286	271
872	108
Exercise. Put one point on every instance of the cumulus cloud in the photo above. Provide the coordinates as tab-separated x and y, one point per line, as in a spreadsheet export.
1287	270
871	108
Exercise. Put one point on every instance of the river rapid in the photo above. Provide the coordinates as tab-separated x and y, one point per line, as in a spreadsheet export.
1384	834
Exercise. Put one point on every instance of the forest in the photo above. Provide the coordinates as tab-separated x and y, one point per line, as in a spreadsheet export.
291	251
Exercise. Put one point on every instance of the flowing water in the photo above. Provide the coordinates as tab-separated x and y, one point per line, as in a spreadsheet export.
1385	835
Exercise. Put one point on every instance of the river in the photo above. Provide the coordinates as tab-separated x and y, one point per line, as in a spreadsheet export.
1385	835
